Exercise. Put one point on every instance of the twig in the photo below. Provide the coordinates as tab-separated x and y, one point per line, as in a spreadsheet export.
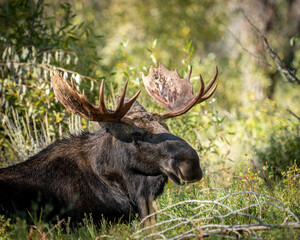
69	71
294	114
251	53
51	68
281	66
202	227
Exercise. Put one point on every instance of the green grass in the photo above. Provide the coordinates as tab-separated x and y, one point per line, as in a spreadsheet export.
191	210
238	191
204	209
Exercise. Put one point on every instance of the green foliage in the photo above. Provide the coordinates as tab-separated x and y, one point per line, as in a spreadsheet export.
30	24
291	177
4	225
282	150
32	43
285	189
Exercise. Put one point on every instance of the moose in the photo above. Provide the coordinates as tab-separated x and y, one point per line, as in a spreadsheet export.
117	171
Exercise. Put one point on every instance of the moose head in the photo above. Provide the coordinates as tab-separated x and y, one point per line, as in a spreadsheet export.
120	169
145	134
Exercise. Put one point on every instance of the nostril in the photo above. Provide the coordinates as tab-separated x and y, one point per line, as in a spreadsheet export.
180	175
187	171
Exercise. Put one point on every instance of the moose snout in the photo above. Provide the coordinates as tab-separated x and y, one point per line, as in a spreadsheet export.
189	172
181	163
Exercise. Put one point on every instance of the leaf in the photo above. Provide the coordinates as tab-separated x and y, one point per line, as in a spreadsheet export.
188	44
8	64
154	43
33	51
78	79
294	39
68	59
25	52
4	53
191	52
153	58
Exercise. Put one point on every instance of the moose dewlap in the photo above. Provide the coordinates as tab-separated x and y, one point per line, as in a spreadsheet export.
116	171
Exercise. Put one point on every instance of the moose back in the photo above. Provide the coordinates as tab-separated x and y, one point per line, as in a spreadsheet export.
117	171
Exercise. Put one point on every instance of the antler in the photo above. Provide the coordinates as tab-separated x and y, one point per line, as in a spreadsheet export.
173	93
80	105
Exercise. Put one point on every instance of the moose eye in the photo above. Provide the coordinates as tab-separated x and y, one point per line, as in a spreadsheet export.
137	135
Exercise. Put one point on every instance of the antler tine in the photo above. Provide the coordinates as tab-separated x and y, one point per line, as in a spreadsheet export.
208	95
212	81
102	106
126	106
189	74
122	106
72	83
79	104
122	97
131	101
202	87
208	87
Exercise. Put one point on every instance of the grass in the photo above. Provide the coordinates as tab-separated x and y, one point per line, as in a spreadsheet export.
234	200
195	211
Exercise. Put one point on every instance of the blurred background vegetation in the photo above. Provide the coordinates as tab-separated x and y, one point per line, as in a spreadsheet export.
251	121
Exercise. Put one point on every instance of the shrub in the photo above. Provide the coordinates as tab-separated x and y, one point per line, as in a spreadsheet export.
281	151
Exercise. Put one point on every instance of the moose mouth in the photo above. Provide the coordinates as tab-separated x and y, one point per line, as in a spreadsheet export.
180	179
174	178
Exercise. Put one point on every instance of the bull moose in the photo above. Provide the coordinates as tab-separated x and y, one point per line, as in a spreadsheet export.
116	171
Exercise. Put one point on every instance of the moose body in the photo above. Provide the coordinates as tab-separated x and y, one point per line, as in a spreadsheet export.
97	179
114	172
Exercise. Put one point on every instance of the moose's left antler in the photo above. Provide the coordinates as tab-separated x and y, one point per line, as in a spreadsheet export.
174	93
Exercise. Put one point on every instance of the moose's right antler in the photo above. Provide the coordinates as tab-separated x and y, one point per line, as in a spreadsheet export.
173	93
80	105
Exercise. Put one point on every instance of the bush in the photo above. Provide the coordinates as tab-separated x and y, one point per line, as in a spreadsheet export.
282	150
34	40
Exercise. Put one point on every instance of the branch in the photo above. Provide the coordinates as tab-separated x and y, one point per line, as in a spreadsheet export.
65	70
251	53
294	114
50	68
209	217
281	66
